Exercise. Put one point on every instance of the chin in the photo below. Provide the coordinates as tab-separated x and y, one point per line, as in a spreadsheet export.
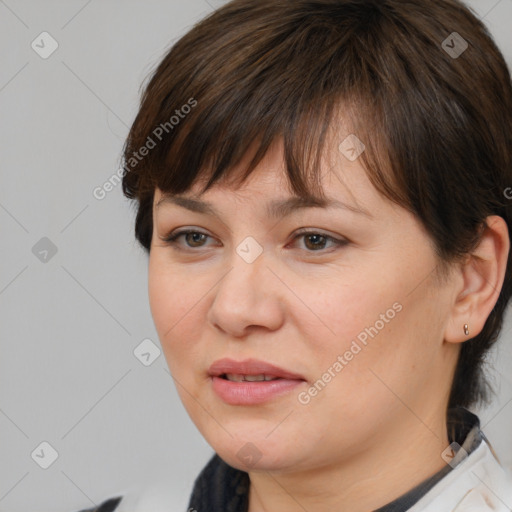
255	453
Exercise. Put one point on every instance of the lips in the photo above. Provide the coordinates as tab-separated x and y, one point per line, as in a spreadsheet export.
250	367
252	382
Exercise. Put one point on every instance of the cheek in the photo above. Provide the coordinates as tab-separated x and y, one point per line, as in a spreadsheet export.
387	352
163	299
345	310
175	303
367	321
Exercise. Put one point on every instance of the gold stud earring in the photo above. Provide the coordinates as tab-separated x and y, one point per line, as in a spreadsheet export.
466	330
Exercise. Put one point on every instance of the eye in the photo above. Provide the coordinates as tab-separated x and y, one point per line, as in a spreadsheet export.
314	241
193	236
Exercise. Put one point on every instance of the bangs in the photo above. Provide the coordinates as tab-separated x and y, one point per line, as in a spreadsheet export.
263	94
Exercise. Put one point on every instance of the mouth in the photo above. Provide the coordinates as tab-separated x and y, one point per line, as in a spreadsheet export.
234	377
251	382
250	370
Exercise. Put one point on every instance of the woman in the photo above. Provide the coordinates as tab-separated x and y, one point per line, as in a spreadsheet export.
322	192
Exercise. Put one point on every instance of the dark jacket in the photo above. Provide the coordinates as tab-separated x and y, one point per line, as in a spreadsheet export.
107	506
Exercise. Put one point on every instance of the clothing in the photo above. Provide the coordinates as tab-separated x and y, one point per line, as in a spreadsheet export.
472	481
107	506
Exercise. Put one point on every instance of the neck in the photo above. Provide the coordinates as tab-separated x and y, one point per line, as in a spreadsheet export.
382	472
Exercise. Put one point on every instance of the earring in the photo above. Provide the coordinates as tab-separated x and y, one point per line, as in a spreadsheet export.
466	330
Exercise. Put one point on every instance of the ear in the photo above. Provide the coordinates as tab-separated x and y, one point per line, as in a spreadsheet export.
481	279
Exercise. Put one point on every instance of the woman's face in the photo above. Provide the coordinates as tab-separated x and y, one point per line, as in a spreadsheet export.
357	325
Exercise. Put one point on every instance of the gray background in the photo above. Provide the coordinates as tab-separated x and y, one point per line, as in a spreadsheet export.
70	325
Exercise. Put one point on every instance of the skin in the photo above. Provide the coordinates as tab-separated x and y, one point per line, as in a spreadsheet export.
380	423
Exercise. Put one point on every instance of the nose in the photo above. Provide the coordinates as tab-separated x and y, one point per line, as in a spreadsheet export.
248	297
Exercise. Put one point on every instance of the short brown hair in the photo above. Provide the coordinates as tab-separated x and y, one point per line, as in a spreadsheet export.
440	122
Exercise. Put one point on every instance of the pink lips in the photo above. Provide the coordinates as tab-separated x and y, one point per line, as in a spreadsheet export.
249	393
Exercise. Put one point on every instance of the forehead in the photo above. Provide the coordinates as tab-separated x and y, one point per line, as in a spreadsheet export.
342	181
262	191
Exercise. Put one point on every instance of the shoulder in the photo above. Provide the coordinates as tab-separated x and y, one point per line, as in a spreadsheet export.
109	505
153	495
478	482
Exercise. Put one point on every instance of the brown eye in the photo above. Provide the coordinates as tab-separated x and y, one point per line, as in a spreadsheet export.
193	238
316	242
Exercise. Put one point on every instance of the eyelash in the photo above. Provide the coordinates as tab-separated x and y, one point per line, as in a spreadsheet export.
171	239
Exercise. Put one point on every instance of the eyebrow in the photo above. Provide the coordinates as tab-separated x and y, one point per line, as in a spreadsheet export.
275	209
